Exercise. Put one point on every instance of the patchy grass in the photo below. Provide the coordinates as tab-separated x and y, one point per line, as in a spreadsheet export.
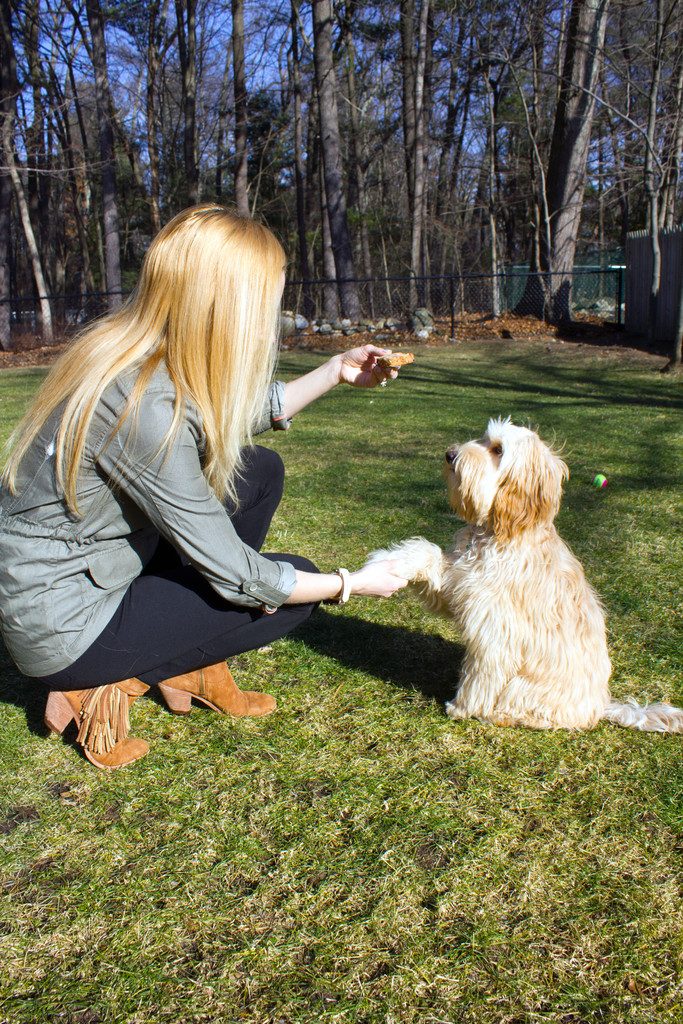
357	857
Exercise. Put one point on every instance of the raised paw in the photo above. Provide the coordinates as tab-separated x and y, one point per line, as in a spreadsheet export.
420	561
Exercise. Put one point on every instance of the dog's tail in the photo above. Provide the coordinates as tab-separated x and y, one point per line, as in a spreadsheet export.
648	717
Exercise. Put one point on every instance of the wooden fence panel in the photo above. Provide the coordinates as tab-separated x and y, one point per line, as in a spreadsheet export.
638	274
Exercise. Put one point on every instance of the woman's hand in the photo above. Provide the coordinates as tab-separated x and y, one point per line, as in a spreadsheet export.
359	368
381	579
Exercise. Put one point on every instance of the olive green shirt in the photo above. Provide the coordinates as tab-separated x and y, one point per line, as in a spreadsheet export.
62	577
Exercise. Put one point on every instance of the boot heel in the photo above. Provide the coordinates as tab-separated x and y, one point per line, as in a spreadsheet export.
58	713
177	701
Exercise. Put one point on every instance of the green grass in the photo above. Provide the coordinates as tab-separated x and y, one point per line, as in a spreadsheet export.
357	857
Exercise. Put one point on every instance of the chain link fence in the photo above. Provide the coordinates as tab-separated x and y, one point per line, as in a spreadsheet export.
595	292
452	301
21	316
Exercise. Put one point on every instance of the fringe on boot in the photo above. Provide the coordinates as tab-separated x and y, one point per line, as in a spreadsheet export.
104	718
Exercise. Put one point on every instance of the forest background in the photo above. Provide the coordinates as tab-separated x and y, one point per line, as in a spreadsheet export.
398	137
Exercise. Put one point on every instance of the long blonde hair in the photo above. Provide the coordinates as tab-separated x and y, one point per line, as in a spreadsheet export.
206	304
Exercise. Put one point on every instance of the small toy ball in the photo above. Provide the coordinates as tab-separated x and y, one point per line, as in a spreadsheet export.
599	481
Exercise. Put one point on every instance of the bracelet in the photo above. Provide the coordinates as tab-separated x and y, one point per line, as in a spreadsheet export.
345	592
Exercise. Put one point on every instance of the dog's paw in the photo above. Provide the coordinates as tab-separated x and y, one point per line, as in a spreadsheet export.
419	560
453	711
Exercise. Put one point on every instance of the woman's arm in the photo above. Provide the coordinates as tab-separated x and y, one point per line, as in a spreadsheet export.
358	367
381	579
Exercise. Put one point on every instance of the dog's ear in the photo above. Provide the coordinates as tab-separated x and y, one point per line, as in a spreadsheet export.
529	492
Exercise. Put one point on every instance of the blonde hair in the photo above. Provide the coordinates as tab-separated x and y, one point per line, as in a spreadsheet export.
207	305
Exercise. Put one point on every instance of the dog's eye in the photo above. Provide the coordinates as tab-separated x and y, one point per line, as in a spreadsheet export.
496	449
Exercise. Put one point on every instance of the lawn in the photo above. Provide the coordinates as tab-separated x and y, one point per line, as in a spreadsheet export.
358	857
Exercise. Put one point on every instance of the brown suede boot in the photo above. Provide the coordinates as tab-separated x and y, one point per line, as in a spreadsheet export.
101	714
215	687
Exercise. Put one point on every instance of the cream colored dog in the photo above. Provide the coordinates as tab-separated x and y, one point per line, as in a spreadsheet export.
534	629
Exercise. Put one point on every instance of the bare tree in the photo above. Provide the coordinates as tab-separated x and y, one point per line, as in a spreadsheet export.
186	20
413	64
299	167
7	101
241	183
357	170
566	174
330	144
154	40
11	165
103	98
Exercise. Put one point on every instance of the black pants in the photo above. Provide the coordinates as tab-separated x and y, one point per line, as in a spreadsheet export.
171	621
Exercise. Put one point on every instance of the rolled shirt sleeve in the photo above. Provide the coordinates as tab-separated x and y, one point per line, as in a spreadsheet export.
273	416
168	485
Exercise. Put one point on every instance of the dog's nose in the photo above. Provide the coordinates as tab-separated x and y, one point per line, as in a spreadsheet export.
452	454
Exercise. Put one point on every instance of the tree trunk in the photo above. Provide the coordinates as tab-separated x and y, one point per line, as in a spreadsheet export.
566	176
77	180
9	95
103	101
330	144
357	187
677	354
241	182
82	184
154	23
653	182
187	52
31	244
419	163
675	148
671	116
299	170
222	126
7	99
37	181
330	294
493	232
408	104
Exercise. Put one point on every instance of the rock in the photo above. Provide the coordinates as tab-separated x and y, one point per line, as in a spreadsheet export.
337	325
421	321
287	325
424	316
301	322
325	328
345	323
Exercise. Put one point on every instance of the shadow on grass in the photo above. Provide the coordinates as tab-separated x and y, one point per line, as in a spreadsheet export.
27	694
558	382
402	657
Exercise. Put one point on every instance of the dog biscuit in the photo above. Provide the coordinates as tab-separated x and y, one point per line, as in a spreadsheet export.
396	360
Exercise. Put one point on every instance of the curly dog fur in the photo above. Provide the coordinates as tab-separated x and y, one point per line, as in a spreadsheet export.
534	629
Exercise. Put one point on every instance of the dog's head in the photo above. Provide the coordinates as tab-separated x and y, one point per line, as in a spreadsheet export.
508	480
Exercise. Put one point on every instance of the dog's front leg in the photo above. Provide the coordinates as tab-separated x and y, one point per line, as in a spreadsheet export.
482	679
418	560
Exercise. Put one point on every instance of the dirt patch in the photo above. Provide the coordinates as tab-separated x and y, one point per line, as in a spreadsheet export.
43	355
470	328
506	333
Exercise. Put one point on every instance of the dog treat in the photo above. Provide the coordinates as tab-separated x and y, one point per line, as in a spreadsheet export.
396	360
